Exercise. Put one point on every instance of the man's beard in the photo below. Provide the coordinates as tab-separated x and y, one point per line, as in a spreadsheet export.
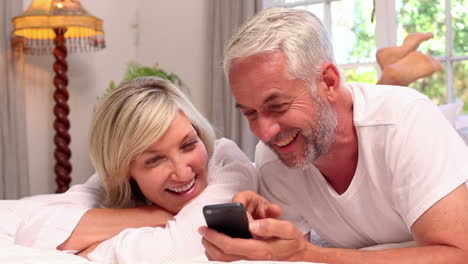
318	139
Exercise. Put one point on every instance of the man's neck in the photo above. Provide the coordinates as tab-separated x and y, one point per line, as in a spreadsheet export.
338	167
339	164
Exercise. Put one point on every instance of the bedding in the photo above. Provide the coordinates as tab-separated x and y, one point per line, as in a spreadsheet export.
25	255
12	253
451	111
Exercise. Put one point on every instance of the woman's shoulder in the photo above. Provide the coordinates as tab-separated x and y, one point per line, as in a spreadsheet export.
229	166
226	150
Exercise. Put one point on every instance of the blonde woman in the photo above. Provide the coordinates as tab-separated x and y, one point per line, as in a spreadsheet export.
158	165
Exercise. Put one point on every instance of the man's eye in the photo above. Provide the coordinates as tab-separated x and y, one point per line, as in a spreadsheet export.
279	107
249	113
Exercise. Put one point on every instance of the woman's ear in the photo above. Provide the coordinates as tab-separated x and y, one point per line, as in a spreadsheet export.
330	80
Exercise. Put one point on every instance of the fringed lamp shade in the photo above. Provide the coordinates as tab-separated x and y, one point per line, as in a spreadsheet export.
56	27
34	29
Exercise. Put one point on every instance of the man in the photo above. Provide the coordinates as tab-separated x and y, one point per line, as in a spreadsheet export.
359	164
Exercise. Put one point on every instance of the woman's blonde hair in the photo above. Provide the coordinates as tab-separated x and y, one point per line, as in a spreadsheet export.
128	121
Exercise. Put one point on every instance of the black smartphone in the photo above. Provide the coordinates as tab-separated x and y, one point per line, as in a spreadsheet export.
228	218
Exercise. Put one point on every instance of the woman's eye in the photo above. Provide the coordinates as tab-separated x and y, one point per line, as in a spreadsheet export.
190	145
153	161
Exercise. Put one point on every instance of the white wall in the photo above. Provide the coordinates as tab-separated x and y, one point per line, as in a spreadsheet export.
172	33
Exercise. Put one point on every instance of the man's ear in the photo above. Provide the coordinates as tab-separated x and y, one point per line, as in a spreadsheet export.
330	81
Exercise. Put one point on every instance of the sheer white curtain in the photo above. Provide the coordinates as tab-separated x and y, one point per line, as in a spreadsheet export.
14	178
225	17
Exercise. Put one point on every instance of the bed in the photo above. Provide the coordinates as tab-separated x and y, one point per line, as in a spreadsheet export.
13	253
13	210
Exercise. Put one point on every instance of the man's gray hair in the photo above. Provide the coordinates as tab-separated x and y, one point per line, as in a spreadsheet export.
300	35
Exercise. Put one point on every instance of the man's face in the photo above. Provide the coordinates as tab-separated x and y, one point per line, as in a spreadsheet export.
282	112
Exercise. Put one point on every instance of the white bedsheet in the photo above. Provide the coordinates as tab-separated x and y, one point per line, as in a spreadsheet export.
25	255
16	254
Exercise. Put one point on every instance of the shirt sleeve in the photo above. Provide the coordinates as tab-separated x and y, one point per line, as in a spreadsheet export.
229	172
57	215
427	160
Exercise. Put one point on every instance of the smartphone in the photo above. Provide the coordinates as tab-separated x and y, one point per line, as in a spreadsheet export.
228	218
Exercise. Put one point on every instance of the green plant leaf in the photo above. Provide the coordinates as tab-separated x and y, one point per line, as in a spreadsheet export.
135	70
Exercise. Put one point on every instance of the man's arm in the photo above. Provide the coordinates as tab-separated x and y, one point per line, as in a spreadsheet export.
100	224
440	234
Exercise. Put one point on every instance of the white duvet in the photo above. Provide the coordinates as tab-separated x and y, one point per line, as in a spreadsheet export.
25	255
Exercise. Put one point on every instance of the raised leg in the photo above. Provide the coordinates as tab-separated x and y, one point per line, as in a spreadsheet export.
410	68
388	56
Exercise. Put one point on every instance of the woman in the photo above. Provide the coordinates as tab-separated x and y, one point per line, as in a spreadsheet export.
156	158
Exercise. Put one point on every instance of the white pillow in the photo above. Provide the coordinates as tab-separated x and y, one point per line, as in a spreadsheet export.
451	110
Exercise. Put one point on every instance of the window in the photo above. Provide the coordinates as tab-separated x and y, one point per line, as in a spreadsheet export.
358	29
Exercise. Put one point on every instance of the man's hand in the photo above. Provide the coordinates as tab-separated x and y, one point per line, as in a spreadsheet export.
257	206
281	240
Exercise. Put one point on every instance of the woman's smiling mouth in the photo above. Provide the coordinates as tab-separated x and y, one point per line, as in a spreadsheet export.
183	188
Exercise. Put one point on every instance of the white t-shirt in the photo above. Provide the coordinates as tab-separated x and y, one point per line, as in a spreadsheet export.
409	158
229	172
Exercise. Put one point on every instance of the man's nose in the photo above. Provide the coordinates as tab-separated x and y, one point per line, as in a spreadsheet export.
266	128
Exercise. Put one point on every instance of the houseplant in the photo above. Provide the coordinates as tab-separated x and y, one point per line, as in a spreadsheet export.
135	70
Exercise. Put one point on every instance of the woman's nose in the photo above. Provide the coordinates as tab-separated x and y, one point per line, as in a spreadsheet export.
182	172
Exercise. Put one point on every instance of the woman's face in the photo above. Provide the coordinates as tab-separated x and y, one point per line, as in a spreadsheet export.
172	171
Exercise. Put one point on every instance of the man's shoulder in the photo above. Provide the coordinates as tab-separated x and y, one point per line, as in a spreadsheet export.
381	104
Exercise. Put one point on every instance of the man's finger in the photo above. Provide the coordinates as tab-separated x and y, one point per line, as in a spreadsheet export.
274	228
260	210
212	252
231	247
248	199
243	197
273	211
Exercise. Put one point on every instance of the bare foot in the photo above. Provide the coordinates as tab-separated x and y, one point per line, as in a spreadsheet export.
407	70
387	56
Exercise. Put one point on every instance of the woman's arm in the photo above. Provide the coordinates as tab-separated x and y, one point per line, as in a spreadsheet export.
100	224
229	172
74	221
